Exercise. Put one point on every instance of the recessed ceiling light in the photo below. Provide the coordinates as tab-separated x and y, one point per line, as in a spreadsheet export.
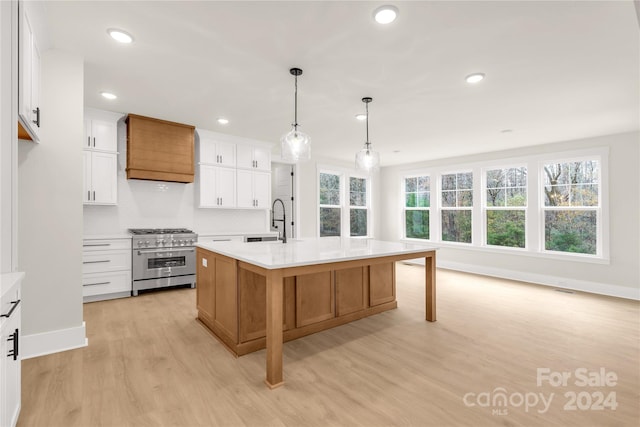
361	116
385	14
474	78
108	95
223	121
119	35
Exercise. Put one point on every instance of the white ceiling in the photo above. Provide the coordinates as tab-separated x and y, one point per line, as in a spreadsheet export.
555	70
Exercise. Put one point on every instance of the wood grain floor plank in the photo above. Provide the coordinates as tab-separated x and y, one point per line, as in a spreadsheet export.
150	363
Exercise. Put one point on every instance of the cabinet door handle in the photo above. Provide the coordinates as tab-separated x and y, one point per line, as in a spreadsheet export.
96	284
88	141
221	158
96	262
15	305
14	352
94	194
94	141
88	196
37	113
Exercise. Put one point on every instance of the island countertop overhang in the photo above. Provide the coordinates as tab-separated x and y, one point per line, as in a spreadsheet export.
297	253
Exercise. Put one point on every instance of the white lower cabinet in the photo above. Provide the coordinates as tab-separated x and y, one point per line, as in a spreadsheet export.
254	189
106	269
100	178
10	351
217	187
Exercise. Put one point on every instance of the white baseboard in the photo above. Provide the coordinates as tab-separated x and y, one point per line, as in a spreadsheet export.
35	345
541	279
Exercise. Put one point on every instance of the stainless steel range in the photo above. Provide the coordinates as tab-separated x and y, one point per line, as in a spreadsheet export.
162	257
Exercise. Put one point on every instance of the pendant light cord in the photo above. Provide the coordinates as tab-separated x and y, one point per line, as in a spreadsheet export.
367	141
295	105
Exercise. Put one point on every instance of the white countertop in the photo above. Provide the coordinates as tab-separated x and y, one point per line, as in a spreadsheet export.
295	253
106	236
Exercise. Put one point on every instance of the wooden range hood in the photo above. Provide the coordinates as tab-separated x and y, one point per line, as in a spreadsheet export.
159	150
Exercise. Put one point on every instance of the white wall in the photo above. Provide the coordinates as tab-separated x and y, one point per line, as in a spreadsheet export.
50	207
155	204
621	277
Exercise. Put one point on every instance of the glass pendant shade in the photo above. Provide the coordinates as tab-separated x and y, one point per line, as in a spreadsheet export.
367	159
296	146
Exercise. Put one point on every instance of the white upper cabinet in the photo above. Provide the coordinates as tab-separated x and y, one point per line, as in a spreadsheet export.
253	157
29	75
218	153
100	134
254	189
100	178
217	187
100	156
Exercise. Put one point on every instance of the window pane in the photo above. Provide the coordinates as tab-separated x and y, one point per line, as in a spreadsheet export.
506	228
495	178
465	198
410	184
456	226
333	197
417	224
410	200
358	192
570	231
358	221
571	183
449	182
465	181
329	222
495	197
423	183
448	198
423	200
517	196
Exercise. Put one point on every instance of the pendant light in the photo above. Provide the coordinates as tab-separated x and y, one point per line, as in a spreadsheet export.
366	158
296	145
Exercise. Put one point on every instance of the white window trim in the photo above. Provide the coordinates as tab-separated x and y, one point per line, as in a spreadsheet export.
345	205
535	227
486	207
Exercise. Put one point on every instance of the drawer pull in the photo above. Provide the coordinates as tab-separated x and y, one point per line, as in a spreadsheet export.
96	244
15	305
96	284
96	262
14	351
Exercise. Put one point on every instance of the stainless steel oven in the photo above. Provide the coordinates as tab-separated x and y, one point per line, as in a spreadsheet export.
162	258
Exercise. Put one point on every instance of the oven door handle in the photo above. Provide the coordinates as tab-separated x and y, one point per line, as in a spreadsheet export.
158	251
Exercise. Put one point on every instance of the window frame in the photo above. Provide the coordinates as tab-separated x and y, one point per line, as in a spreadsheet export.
345	207
442	208
416	208
486	207
534	226
601	249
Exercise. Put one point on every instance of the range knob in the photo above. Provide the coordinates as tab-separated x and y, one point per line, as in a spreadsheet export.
140	243
160	242
191	241
146	243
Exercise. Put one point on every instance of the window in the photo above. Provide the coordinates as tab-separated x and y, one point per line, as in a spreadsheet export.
344	205
330	205
358	206
505	208
571	206
457	202
417	196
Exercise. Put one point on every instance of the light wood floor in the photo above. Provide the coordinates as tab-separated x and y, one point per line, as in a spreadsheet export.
149	363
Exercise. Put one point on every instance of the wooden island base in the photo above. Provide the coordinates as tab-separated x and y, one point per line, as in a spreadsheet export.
232	298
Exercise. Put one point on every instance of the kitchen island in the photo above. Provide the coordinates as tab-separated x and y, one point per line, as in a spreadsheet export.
257	295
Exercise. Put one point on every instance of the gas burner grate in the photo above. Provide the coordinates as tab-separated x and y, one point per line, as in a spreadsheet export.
142	231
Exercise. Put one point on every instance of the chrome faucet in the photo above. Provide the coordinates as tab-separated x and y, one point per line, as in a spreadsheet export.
283	220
